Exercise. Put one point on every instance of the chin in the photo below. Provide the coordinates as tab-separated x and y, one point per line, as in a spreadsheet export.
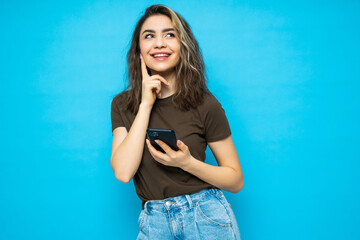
162	69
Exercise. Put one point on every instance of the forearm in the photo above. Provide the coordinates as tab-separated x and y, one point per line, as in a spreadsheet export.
127	157
223	177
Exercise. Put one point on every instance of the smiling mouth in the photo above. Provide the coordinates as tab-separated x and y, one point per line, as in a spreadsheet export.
159	55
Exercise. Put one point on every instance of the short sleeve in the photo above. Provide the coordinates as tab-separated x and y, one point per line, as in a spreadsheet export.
116	120
215	121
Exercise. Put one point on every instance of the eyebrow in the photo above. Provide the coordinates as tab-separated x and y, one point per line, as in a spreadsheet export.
164	30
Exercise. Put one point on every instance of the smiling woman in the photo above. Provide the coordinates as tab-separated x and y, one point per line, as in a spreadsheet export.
181	194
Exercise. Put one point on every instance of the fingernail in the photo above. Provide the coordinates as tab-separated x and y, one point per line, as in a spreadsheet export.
178	141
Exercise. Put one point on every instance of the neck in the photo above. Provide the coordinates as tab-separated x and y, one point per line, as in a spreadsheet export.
170	77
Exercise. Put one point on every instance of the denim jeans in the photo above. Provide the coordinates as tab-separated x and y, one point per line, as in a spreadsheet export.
202	215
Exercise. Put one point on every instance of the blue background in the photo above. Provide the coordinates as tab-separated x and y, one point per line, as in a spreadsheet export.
287	74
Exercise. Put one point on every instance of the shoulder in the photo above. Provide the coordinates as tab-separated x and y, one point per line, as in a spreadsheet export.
119	97
119	100
210	98
210	107
210	102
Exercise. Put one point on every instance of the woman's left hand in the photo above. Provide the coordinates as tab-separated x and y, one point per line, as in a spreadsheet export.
171	158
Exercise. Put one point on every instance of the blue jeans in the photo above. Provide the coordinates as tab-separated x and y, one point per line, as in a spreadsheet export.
202	215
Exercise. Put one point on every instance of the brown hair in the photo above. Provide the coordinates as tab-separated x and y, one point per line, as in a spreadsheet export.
190	71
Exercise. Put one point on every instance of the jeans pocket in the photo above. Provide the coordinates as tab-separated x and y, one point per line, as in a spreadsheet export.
213	211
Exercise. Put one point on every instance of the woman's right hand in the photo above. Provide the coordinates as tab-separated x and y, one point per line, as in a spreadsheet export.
151	85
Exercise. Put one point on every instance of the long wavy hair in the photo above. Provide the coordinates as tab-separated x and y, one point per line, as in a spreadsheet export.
191	77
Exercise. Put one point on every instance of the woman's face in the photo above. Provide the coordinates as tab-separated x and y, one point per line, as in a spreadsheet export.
159	45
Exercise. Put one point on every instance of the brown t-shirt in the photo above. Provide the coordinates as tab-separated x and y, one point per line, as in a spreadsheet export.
196	127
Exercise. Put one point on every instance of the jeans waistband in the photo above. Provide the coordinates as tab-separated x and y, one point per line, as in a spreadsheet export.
179	201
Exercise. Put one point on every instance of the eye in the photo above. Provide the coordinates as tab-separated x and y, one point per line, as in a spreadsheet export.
149	35
170	35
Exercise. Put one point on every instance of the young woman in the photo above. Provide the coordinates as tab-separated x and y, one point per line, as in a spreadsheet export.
181	193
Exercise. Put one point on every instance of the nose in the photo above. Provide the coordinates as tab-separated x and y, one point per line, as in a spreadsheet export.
160	43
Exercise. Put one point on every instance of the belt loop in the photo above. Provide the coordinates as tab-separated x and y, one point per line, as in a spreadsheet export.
145	207
188	198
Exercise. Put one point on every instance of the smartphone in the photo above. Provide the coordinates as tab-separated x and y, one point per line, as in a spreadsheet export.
165	135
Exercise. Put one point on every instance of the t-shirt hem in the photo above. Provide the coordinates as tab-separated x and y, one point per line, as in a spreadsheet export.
114	127
143	201
218	138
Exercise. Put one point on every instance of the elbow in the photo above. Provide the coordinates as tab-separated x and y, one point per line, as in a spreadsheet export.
238	186
120	174
122	177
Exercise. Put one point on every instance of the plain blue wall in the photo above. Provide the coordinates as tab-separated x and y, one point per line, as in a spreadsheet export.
287	74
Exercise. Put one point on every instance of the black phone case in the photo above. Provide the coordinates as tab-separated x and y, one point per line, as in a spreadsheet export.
166	135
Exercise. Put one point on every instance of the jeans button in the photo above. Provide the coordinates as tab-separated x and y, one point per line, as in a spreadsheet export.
169	203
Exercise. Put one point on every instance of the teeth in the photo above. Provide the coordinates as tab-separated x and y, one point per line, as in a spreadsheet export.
161	55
